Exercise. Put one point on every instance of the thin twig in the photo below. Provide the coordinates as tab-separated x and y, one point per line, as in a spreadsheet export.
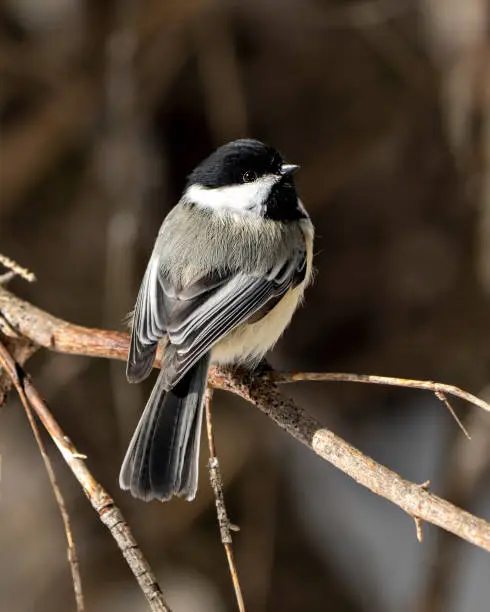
6	278
465	468
21	350
102	503
72	551
418	529
15	270
223	520
428	385
442	397
418	521
20	317
440	390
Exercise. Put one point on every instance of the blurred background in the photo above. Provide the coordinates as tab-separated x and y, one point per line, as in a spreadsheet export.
104	109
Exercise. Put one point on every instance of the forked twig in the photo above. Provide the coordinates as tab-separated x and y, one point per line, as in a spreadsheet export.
102	503
225	527
15	270
440	390
442	397
372	379
72	551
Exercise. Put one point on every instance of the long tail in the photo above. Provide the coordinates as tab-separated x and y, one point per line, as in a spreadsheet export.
162	458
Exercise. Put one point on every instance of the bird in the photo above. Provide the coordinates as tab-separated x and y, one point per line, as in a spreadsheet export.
228	269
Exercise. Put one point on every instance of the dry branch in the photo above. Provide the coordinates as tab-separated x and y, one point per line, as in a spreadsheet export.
108	512
9	364
428	385
222	515
14	270
22	318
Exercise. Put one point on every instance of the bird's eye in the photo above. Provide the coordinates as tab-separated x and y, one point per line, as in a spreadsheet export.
249	176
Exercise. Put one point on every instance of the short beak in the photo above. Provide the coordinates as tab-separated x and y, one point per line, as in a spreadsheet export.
288	169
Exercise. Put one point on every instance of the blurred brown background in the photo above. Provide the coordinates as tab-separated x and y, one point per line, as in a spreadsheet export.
104	108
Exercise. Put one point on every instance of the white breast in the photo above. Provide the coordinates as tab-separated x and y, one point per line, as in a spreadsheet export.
248	343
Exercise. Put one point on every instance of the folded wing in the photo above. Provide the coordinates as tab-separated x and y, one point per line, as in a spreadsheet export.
195	317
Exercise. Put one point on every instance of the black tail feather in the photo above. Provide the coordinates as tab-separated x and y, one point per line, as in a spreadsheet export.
162	458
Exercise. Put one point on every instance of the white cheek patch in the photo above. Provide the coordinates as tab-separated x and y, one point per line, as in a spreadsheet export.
247	198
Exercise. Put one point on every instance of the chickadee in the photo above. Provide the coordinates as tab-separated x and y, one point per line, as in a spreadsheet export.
229	267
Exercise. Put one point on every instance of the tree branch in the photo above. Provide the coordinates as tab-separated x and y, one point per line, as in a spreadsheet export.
428	385
103	504
15	269
224	524
8	363
19	317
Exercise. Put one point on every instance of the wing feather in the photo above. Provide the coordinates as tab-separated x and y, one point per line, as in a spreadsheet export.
196	316
235	301
149	325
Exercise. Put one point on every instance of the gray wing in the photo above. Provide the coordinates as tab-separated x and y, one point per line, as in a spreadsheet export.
197	316
148	324
154	307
